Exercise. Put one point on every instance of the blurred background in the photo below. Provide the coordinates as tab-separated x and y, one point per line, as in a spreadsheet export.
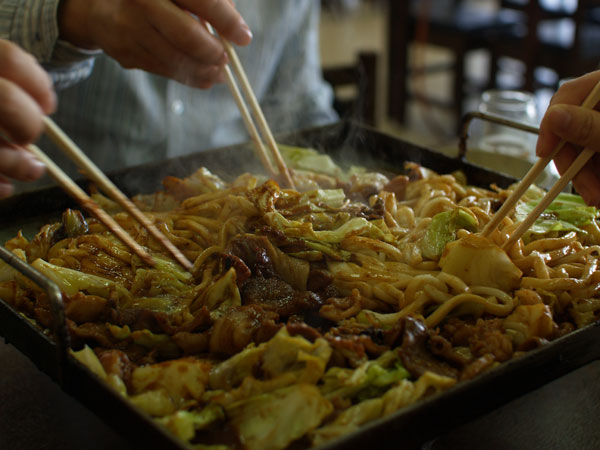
420	65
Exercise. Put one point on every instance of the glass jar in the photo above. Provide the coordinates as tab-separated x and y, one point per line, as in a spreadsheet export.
499	139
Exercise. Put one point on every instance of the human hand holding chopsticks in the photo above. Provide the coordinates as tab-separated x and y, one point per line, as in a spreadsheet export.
26	94
159	36
579	162
580	127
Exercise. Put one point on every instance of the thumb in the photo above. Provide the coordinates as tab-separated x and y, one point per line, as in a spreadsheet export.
580	126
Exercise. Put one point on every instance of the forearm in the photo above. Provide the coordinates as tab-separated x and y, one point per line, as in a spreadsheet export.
33	25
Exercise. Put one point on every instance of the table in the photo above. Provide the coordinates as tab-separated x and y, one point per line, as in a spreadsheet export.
36	415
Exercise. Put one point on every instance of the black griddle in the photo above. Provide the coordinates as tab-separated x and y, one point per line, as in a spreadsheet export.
347	143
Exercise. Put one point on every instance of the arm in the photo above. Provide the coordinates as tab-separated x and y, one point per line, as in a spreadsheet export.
25	96
32	24
580	127
160	36
165	37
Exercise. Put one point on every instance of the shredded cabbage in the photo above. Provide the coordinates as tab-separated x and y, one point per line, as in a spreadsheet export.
568	212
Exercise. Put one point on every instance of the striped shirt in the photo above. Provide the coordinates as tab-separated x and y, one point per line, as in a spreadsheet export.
127	117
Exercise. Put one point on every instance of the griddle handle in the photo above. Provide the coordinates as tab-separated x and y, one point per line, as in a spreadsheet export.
57	307
468	118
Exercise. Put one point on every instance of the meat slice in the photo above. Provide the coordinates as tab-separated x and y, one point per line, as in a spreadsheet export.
352	350
415	354
265	260
90	333
398	185
319	280
241	325
296	326
145	319
251	250
242	271
443	348
339	308
276	295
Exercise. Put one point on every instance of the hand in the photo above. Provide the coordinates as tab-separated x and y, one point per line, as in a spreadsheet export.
159	36
580	127
26	94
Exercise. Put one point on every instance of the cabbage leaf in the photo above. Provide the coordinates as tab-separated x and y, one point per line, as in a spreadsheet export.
184	424
274	420
73	281
330	198
568	212
371	379
443	229
309	159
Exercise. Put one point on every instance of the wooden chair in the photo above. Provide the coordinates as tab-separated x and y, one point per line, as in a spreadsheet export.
362	78
456	25
564	37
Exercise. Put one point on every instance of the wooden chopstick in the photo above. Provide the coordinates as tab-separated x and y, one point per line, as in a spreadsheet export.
573	170
590	102
256	109
90	205
259	145
236	64
94	173
521	188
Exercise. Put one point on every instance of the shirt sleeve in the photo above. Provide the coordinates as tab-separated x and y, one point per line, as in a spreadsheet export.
32	24
297	88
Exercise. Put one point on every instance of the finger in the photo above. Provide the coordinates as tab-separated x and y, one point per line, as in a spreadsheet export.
154	53
20	115
223	16
547	139
586	182
19	164
592	195
575	124
204	78
186	33
21	68
158	56
201	77
575	91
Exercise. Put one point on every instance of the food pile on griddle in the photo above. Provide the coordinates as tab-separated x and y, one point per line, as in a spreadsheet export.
308	313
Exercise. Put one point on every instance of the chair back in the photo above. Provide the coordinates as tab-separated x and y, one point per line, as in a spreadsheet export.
561	35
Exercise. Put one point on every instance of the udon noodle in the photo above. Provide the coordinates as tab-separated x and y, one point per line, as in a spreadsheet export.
309	313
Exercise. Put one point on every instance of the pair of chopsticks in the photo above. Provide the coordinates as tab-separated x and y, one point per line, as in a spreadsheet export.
590	102
261	149
95	174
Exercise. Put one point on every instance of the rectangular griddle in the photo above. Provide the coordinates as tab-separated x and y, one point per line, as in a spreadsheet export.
348	143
